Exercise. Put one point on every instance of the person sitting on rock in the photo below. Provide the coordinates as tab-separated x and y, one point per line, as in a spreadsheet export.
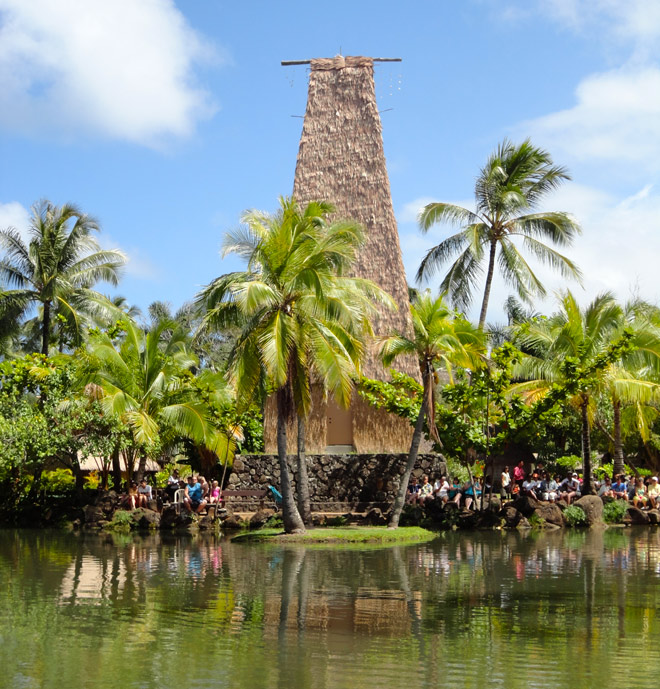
471	493
653	492
454	493
640	498
548	488
206	488
145	493
413	491
193	500
569	488
605	490
214	497
441	489
425	490
132	500
620	488
531	486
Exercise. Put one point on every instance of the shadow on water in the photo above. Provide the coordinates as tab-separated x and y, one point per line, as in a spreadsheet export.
464	609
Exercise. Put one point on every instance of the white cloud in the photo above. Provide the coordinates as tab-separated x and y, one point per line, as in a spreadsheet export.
16	216
616	117
411	210
123	69
636	21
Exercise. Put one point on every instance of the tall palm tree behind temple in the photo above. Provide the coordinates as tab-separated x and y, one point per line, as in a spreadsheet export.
507	189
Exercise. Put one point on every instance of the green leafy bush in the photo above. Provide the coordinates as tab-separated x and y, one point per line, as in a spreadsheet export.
92	480
58	482
614	511
537	522
274	522
575	516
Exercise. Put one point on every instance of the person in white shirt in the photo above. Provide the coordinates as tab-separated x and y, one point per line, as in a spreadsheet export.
441	488
505	480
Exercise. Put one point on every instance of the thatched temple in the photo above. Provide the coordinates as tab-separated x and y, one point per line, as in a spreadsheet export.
341	160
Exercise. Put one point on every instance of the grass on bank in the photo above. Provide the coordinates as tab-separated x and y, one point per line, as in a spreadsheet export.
343	534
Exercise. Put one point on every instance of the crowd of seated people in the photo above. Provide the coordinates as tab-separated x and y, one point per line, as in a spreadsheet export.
441	489
538	484
198	492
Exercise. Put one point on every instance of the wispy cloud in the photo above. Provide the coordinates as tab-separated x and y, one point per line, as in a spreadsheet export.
616	118
122	69
16	216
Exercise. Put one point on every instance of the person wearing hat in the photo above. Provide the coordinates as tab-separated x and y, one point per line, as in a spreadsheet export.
569	488
653	492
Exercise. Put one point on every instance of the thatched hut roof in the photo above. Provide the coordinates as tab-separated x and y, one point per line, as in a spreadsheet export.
341	160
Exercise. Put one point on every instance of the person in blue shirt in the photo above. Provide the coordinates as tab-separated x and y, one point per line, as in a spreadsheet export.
193	500
620	488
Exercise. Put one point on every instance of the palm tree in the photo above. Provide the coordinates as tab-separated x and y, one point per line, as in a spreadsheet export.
145	382
632	383
302	319
441	338
57	269
584	334
508	188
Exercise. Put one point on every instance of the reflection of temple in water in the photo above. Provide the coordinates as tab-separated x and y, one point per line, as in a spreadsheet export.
370	611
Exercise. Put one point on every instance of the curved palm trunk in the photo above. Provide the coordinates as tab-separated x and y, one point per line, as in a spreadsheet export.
489	282
290	515
45	329
400	500
587	487
302	482
619	459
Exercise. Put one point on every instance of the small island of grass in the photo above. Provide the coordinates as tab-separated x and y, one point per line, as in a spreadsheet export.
340	535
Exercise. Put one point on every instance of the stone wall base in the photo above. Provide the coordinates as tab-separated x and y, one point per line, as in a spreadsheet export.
344	478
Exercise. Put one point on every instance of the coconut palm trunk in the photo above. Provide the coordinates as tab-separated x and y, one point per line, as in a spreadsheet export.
619	459
116	469
302	481
587	487
400	500
45	329
290	515
142	467
489	282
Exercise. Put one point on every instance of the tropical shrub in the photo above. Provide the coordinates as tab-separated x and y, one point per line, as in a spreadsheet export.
537	522
58	481
614	511
575	516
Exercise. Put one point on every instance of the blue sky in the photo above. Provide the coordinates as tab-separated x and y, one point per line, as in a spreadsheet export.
167	119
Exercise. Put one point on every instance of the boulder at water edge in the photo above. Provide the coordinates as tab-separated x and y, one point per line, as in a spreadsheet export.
592	506
635	516
551	514
526	505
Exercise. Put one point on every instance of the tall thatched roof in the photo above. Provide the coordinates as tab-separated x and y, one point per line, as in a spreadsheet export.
341	160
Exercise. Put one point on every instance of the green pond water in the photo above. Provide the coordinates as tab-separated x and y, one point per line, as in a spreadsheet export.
560	609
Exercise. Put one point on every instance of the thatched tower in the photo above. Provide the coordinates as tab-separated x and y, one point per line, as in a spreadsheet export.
341	160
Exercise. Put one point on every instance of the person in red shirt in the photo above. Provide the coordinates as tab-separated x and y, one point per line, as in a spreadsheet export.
519	474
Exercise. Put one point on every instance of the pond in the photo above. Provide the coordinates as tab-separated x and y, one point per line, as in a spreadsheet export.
498	609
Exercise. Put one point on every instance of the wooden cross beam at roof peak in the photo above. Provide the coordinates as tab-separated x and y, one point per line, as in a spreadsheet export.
340	60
